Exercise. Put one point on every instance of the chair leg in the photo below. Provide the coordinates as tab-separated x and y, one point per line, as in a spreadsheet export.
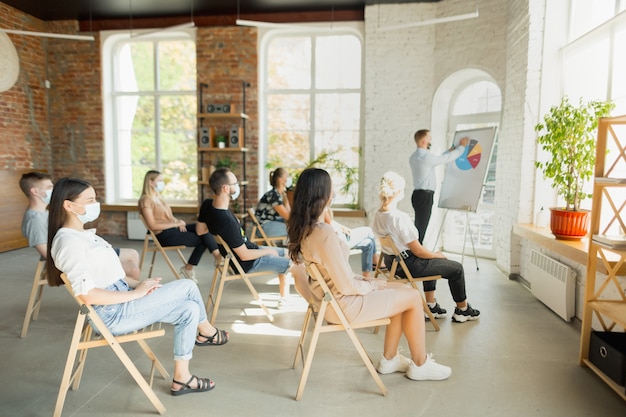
256	296
218	298
170	264
309	356
66	380
34	301
426	309
303	332
156	363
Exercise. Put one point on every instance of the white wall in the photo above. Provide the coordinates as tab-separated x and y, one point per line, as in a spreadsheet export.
405	67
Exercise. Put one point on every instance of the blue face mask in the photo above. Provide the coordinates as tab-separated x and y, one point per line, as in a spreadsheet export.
46	198
92	211
235	191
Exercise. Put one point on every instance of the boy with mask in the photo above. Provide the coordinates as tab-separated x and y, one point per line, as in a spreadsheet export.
37	186
221	221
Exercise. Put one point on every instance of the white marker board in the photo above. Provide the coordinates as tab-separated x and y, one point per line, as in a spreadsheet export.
465	176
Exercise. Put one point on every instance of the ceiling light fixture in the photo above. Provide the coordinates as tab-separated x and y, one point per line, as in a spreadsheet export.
269	25
49	35
429	22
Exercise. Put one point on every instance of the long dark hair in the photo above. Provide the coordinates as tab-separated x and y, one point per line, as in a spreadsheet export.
309	201
64	189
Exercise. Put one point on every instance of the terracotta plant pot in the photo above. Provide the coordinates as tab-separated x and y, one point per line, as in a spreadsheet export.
569	225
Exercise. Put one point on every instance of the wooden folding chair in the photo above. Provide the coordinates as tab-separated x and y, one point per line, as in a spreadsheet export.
230	269
387	243
257	229
36	292
155	247
84	339
324	327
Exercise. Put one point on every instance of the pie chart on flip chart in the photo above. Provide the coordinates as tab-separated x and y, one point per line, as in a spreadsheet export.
471	157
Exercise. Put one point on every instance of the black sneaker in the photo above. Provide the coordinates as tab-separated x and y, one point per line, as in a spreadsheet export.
461	316
437	312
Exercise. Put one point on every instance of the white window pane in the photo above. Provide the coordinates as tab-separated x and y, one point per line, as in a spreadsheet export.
618	92
585	71
288	135
479	97
177	65
337	112
338	62
587	14
135	67
289	63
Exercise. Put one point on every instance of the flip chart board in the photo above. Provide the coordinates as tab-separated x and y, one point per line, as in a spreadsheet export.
465	176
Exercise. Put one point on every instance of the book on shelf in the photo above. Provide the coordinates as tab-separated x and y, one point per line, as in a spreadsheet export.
613	241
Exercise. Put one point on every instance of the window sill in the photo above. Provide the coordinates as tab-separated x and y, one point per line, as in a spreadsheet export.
182	208
341	212
576	250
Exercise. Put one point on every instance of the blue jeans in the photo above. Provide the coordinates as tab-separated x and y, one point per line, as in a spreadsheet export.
275	228
173	237
362	238
278	264
450	270
177	302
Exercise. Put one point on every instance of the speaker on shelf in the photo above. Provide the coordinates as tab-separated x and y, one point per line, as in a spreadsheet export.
204	140
219	108
235	137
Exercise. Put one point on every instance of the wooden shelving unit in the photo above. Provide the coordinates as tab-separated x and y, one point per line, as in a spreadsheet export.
605	298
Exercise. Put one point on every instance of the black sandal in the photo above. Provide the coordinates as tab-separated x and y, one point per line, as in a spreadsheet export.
219	338
204	384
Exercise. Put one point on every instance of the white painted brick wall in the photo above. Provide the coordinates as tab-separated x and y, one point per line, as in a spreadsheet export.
403	69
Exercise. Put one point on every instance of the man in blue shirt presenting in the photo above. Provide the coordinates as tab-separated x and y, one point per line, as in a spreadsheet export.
423	164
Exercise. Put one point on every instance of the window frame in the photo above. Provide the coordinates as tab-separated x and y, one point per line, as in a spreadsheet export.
312	31
112	42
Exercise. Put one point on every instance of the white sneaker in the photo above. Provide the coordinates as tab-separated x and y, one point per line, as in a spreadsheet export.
429	371
396	364
188	274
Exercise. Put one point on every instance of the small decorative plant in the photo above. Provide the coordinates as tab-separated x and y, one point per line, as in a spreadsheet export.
569	137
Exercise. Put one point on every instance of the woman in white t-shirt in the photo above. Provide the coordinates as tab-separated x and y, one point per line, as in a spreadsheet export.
389	221
123	303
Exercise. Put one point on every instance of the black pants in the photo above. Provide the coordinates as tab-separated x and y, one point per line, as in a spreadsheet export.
422	201
448	269
173	237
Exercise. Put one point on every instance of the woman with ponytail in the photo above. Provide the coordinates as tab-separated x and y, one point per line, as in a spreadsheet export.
273	208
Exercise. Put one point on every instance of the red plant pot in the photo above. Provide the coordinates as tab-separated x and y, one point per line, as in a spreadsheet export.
569	225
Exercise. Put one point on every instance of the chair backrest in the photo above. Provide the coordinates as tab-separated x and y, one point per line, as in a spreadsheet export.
83	340
157	247
258	228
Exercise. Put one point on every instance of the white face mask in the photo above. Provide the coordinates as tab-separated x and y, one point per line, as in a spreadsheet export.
46	198
160	186
92	211
235	191
289	182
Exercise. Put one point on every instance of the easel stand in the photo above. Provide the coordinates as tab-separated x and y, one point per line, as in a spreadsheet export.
467	229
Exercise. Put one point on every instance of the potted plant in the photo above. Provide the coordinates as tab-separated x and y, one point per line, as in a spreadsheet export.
568	135
330	161
220	140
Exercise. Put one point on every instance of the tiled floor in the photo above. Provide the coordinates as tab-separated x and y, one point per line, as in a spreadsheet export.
519	359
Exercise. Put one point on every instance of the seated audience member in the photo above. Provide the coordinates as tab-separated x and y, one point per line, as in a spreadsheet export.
37	186
390	221
169	230
124	304
358	238
360	298
221	221
273	207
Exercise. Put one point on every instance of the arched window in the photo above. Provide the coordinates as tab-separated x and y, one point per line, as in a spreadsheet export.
311	104
474	102
149	90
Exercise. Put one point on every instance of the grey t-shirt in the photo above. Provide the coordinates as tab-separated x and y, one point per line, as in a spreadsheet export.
35	227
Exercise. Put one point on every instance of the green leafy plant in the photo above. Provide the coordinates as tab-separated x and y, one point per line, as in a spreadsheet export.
569	137
330	161
226	162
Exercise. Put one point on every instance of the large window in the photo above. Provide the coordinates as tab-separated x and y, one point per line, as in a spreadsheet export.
312	105
475	106
150	114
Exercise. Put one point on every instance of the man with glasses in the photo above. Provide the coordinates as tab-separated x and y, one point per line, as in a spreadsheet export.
221	221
